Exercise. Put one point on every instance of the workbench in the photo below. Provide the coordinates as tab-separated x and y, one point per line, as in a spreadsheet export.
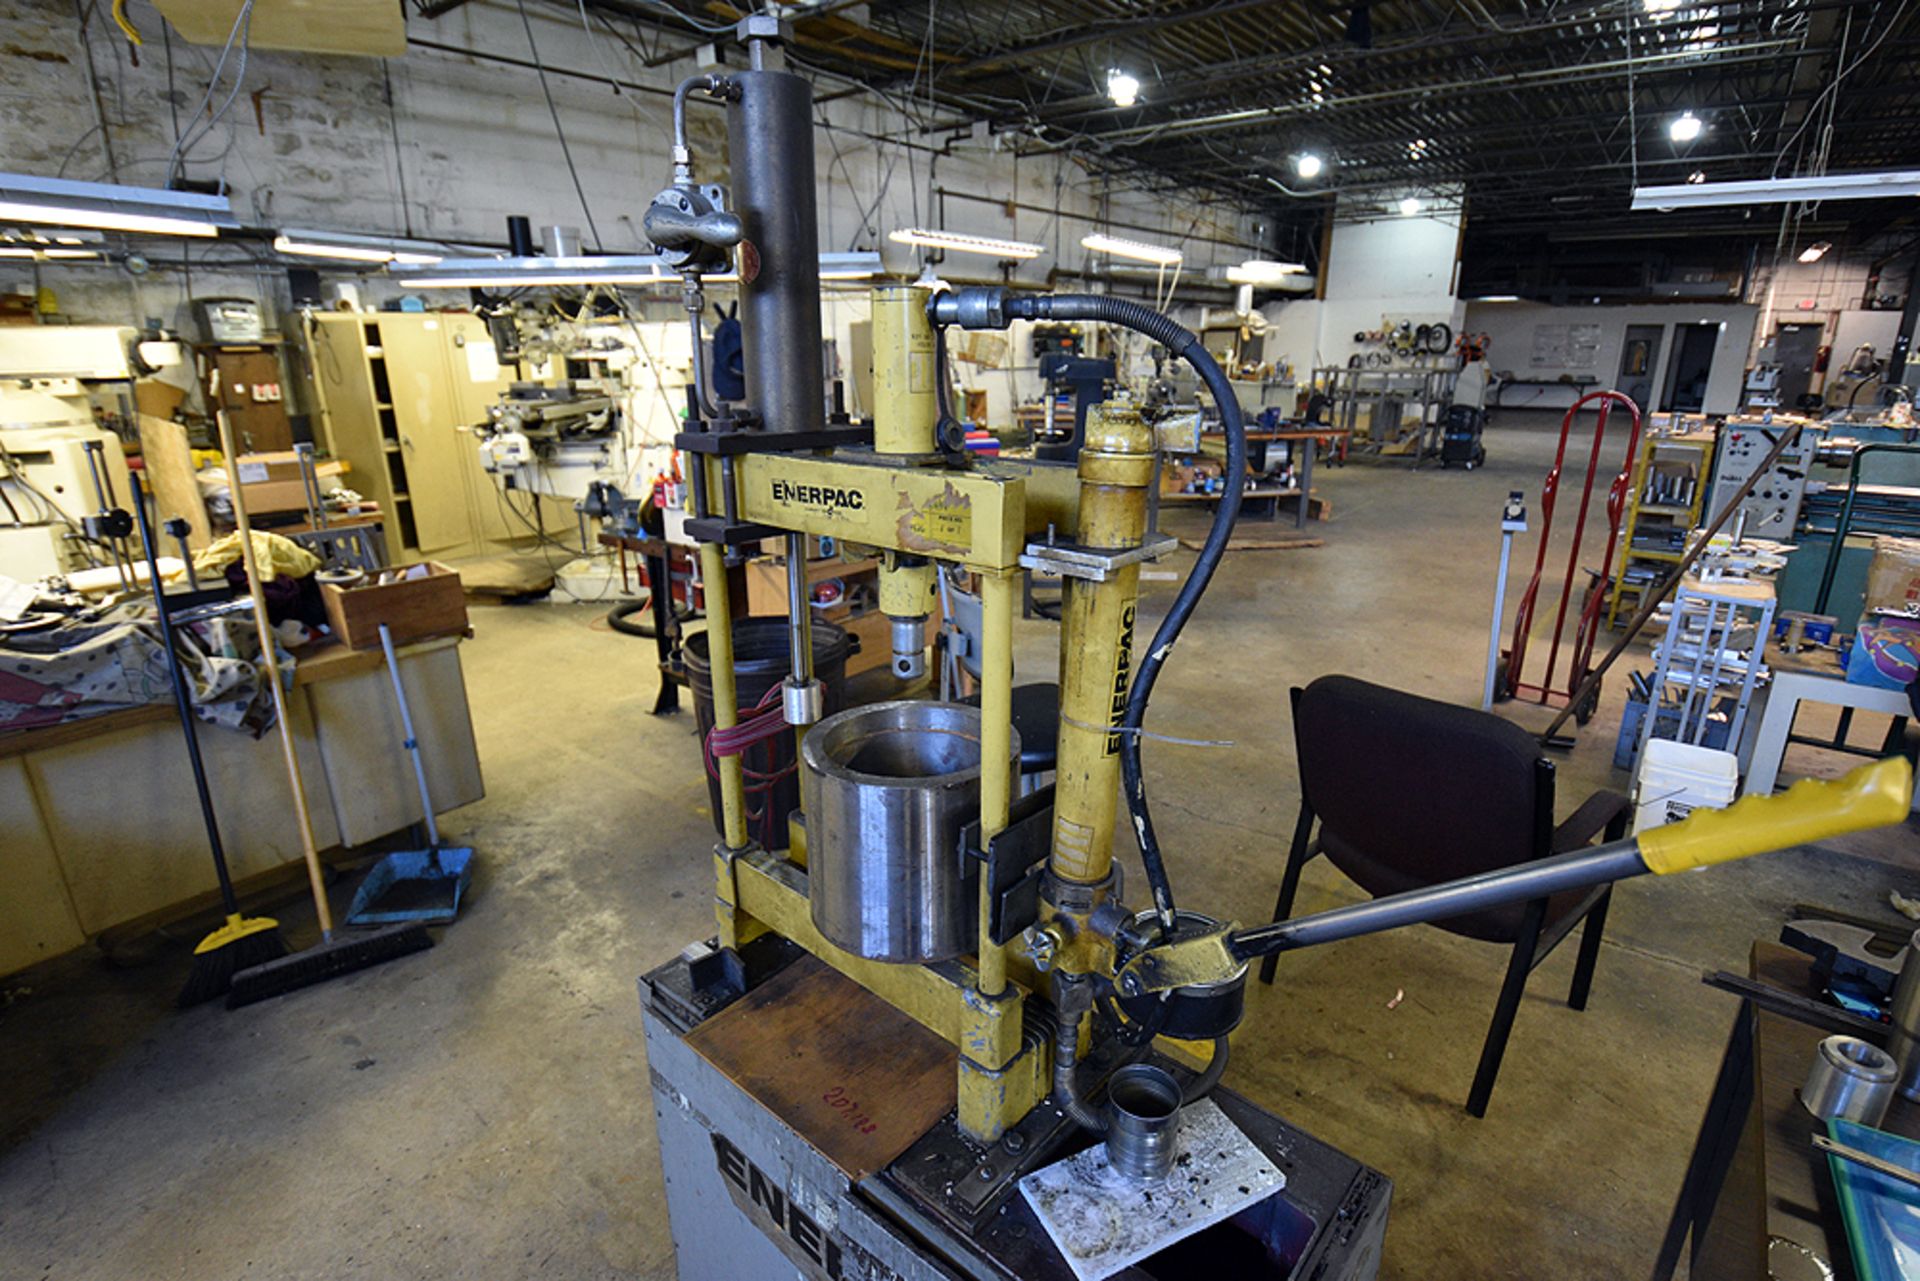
1258	442
1754	1175
102	832
1812	675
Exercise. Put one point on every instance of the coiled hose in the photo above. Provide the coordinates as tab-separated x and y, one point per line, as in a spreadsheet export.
1185	344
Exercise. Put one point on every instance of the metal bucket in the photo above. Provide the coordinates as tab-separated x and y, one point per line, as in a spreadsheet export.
887	789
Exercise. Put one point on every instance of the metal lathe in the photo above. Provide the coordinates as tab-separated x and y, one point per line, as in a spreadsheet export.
936	989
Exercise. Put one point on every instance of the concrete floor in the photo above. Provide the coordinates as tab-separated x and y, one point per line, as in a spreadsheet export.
482	1110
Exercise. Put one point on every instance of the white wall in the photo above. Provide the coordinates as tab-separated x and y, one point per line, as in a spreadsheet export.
1378	273
465	143
1511	326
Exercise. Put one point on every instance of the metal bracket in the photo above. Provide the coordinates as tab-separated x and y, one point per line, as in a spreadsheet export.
1016	859
735	442
1070	560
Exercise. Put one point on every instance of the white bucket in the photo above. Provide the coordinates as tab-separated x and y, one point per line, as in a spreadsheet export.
1677	778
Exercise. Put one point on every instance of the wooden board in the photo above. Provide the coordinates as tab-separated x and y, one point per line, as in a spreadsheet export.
857	1078
1255	544
168	460
374	28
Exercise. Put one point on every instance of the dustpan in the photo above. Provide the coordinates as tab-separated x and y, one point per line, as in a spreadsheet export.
407	886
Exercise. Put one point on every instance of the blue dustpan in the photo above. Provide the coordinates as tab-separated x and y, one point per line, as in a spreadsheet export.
413	885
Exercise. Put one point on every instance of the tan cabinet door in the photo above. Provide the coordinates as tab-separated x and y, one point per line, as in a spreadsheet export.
430	442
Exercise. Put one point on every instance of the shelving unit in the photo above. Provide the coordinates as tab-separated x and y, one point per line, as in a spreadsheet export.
1390	396
399	394
1707	666
1669	485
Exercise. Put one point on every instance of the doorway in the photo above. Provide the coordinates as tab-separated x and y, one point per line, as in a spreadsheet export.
1795	348
1639	360
1690	368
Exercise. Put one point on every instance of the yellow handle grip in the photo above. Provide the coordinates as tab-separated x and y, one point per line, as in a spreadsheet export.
1875	795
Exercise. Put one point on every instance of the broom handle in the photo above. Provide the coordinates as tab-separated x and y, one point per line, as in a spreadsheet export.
269	659
413	742
183	701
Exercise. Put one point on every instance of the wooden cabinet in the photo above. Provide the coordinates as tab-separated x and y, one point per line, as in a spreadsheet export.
398	395
251	389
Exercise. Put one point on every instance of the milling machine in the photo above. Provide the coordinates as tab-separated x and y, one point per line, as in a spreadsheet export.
924	998
596	415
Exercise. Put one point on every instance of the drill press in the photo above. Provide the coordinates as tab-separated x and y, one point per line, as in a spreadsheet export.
923	997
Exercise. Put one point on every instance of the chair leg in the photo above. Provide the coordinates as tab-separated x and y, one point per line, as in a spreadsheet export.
1590	932
1511	991
1290	882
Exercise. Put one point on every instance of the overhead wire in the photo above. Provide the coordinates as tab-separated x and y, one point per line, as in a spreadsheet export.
559	130
242	32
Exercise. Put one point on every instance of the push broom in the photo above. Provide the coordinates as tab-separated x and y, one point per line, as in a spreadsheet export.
333	955
244	941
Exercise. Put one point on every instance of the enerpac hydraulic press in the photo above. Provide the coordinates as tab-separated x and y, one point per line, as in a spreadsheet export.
936	991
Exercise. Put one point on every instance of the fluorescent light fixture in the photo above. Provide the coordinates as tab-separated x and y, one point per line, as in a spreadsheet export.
1662	6
861	265
1815	251
347	247
1697	176
49	252
1123	88
1308	165
1684	127
1498	298
1260	271
1409	207
1775	191
112	207
520	273
1139	250
627	269
962	243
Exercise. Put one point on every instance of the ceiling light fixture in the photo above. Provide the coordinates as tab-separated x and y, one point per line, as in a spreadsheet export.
1409	207
1498	298
112	207
1815	251
1308	165
960	242
49	253
1662	6
348	247
519	273
1684	127
861	264
1260	271
1697	176
1775	191
1139	250
1122	88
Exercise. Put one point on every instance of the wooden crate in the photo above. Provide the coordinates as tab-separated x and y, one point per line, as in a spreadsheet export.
411	608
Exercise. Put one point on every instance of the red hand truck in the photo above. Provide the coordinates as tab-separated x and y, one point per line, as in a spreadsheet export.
1508	681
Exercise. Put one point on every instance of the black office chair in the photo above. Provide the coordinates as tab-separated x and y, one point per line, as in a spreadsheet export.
1410	792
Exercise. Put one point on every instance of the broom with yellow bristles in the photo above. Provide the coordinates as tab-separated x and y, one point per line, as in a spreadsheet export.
244	941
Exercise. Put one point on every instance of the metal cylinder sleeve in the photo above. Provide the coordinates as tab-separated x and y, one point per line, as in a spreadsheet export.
888	788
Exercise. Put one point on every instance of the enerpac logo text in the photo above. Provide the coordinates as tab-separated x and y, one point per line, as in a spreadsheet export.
830	497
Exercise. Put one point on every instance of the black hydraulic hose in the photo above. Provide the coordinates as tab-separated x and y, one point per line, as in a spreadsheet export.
1185	344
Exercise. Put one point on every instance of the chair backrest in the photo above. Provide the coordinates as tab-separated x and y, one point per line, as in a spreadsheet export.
1411	791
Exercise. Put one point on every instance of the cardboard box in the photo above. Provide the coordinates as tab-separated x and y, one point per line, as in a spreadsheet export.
1893	576
413	608
1885	653
272	480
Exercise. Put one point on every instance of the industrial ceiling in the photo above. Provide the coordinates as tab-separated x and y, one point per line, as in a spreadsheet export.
1540	115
